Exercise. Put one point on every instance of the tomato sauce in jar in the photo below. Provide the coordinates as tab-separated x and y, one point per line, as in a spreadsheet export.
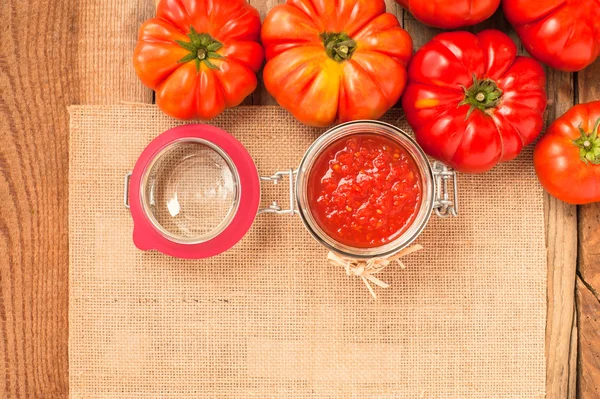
364	190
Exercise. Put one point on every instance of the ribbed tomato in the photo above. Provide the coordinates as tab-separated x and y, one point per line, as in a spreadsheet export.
567	158
564	34
472	101
454	14
199	56
335	60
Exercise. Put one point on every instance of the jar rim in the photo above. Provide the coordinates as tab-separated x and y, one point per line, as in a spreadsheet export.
145	201
376	128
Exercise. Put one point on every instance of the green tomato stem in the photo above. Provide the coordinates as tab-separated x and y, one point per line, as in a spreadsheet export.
202	48
338	46
589	145
482	95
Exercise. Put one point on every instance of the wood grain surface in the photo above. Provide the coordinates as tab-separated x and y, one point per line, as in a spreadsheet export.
561	242
588	271
55	53
37	82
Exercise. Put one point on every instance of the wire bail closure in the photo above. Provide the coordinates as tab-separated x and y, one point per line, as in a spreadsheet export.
275	207
443	206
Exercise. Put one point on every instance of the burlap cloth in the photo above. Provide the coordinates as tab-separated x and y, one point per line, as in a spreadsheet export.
271	318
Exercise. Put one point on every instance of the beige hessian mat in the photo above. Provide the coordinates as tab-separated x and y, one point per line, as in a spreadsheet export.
271	318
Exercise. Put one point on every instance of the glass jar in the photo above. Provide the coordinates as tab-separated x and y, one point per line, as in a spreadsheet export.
195	191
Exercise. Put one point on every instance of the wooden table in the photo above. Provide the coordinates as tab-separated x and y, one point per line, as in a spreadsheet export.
61	52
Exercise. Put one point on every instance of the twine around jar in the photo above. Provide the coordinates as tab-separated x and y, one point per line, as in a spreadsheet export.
365	269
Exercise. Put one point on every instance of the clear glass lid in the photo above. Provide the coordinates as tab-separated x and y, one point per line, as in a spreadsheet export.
190	191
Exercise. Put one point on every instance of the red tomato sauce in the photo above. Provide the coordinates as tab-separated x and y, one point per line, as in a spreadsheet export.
364	190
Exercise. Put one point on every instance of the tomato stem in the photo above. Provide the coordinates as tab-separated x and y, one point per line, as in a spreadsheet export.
202	48
482	95
589	145
338	46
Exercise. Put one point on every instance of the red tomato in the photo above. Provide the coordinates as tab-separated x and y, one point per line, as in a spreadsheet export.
564	34
335	60
452	14
364	190
567	158
200	57
472	102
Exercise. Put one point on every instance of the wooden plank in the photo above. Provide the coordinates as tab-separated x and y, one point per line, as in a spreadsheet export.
588	283
107	33
55	53
37	84
561	334
561	242
588	308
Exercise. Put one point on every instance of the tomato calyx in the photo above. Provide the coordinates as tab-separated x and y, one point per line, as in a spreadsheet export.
589	145
482	95
202	48
338	46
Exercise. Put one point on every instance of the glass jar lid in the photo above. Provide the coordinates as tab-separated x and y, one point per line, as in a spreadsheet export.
190	191
194	192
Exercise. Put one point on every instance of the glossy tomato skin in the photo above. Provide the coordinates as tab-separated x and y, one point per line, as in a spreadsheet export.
474	140
564	34
319	90
557	157
446	14
183	89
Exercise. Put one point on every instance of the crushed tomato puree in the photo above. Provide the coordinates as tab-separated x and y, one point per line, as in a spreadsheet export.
364	190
